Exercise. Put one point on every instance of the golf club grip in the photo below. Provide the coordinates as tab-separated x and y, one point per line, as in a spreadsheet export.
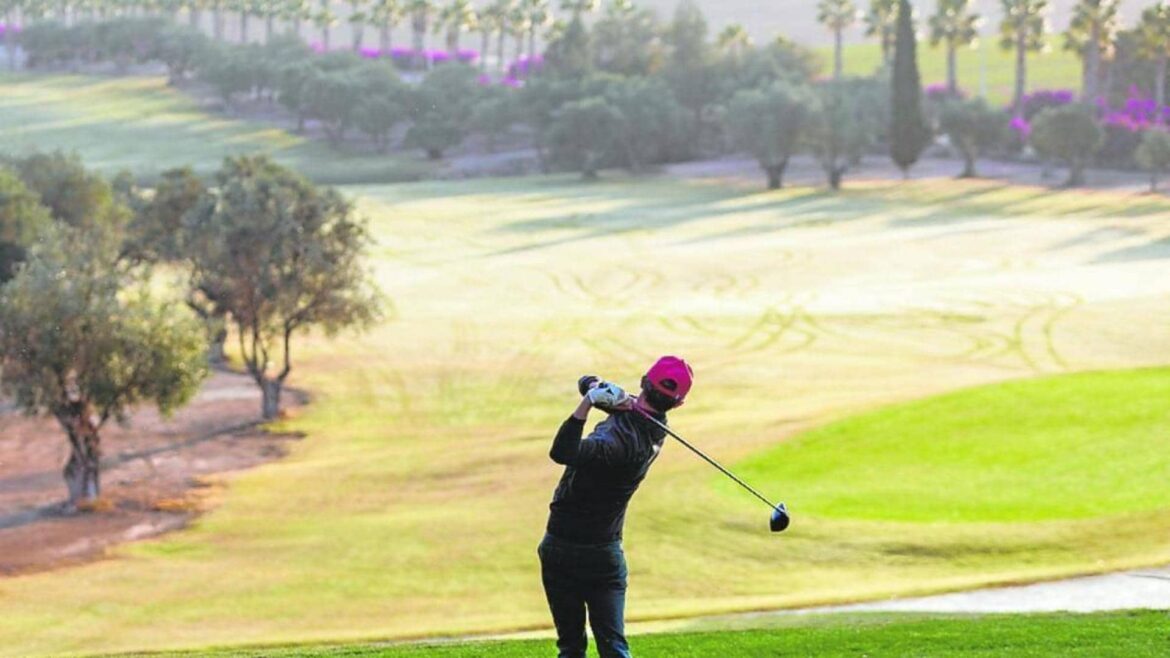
708	459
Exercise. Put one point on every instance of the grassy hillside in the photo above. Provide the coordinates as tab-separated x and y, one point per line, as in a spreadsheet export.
990	67
141	125
1074	447
415	503
1114	635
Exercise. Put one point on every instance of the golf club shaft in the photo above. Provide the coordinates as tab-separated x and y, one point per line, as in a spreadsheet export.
707	459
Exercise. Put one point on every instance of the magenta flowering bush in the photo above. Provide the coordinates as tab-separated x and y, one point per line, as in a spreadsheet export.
937	93
1042	99
525	67
1126	125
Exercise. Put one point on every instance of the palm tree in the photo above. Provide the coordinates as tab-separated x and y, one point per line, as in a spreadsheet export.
501	11
420	16
294	13
539	16
837	15
881	21
954	25
518	29
1091	34
385	14
487	23
244	8
578	7
1154	44
357	21
324	19
456	18
1023	29
734	41
194	12
269	10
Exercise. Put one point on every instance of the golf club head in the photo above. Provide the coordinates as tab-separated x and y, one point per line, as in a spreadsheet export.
780	518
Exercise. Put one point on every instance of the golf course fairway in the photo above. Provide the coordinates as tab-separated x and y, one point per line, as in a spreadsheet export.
414	503
1112	635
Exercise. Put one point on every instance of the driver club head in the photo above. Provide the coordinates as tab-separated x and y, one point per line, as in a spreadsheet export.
780	518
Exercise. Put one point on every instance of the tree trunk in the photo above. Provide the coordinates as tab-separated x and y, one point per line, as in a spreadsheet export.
1153	182
1076	174
838	55
269	26
968	164
193	16
1021	76
835	178
384	39
217	24
243	27
531	47
419	45
325	36
952	70
215	348
485	44
358	36
500	52
1092	65
775	173
774	181
1160	87
270	402
82	472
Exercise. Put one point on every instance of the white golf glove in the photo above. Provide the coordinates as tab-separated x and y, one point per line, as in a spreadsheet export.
607	396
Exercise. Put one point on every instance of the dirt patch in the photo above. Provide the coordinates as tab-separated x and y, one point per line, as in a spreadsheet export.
156	474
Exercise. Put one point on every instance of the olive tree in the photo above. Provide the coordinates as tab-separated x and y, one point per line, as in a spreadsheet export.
1069	133
839	133
1153	154
22	220
770	124
584	134
82	341
973	128
280	256
153	234
74	196
441	108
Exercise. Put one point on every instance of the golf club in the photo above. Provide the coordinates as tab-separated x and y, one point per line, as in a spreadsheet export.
779	519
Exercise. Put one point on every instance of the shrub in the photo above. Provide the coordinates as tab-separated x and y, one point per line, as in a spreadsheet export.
1069	133
1154	155
974	128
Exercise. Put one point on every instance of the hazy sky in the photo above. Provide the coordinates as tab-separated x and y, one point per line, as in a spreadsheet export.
797	18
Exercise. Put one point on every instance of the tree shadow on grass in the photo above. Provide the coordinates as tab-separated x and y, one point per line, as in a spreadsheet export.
1154	250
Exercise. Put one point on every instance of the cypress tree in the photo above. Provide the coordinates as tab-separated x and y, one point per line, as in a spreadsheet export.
909	133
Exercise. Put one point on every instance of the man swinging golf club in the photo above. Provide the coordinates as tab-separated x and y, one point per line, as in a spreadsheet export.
582	564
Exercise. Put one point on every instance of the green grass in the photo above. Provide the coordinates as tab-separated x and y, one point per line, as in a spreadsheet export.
1121	635
1054	69
1073	447
415	503
413	507
141	125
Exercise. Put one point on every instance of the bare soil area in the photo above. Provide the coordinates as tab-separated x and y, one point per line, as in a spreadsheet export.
157	474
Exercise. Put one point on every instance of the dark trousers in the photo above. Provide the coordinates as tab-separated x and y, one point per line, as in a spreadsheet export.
580	577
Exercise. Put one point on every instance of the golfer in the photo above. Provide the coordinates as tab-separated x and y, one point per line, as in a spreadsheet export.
581	559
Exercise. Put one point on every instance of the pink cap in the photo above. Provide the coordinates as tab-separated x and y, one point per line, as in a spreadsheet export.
671	376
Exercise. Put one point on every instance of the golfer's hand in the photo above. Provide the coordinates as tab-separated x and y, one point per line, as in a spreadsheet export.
605	395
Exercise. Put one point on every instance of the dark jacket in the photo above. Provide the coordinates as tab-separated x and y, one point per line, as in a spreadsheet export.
602	472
